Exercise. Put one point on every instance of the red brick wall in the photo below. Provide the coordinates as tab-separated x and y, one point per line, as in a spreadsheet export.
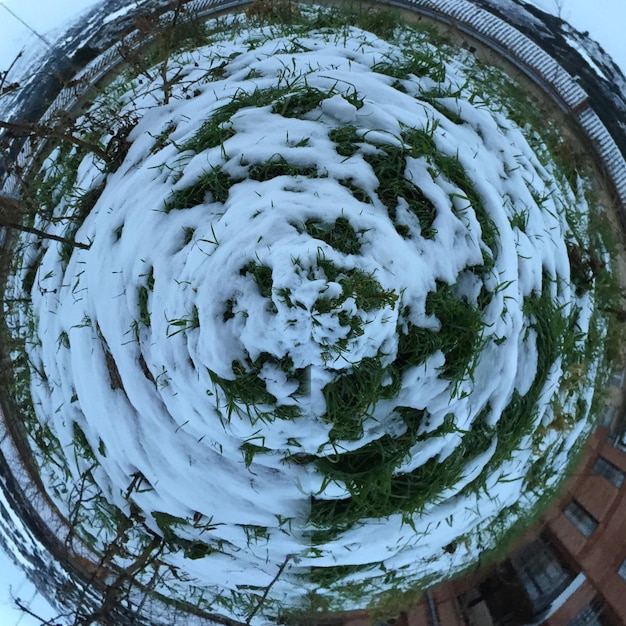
600	556
614	592
444	597
568	535
612	454
362	620
418	616
596	494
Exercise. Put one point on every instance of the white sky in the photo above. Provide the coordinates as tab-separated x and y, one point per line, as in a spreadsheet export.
604	19
43	16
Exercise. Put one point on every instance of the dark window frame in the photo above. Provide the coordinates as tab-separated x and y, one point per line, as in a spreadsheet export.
542	571
580	518
603	467
593	614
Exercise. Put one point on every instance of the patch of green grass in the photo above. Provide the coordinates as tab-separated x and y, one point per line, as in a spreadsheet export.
389	166
357	192
374	463
381	22
346	140
409	493
367	292
352	396
279	166
211	134
213	185
256	534
247	395
298	103
81	445
170	527
460	336
420	60
326	576
262	275
142	303
518	418
176	326
452	169
446	111
519	219
389	169
250	450
57	180
340	235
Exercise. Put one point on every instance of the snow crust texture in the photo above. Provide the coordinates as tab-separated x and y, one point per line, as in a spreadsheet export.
321	318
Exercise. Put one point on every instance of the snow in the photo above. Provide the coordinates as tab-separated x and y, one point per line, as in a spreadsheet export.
174	428
120	13
576	45
206	310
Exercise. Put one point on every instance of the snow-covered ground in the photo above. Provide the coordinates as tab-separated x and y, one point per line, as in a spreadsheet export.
578	14
214	257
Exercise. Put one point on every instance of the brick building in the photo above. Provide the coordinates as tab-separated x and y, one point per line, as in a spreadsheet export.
567	570
571	568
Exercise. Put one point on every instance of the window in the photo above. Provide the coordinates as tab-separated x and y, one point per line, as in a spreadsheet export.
608	415
617	379
576	514
606	469
622	570
541	572
591	615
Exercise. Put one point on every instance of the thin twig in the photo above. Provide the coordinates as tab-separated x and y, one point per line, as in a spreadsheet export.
5	74
282	567
25	609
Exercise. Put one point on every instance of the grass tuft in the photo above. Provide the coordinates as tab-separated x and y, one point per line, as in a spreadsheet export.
212	186
340	235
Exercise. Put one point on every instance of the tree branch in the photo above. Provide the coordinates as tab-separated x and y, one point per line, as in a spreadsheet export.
282	567
35	130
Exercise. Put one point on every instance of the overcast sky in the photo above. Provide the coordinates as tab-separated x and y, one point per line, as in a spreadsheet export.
604	19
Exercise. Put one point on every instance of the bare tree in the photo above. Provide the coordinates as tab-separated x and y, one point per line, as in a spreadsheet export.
558	4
